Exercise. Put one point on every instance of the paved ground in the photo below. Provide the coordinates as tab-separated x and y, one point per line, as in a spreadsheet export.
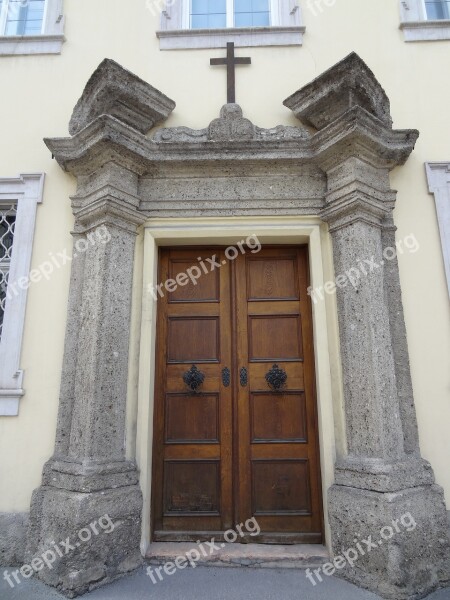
209	583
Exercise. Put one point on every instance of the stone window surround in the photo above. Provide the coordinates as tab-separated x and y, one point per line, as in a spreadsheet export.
415	25
50	41
25	190
175	34
438	175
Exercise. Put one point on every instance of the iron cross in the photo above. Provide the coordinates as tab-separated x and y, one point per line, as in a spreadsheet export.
231	61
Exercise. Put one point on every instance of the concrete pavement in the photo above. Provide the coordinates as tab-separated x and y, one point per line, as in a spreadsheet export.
206	583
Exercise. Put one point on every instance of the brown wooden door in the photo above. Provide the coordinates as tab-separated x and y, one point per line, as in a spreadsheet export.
237	447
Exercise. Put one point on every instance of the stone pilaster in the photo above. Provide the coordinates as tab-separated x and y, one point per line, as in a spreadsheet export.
383	477
90	494
89	476
400	348
373	341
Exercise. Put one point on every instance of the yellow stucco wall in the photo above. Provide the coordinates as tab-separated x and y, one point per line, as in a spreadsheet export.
37	97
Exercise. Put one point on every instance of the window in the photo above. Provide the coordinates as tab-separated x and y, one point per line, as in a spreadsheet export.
214	14
438	175
213	23
31	27
19	198
425	20
22	17
8	214
437	9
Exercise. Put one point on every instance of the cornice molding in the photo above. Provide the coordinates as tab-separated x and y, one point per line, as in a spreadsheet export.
346	105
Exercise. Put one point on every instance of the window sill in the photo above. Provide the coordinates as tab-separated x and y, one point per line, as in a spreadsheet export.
184	39
426	31
9	402
16	45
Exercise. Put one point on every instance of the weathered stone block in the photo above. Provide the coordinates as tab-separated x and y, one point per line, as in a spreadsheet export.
408	561
13	534
93	559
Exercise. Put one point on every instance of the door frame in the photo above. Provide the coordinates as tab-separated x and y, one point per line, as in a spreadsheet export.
228	231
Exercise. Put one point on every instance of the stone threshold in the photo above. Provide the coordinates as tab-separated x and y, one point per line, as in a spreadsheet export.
269	556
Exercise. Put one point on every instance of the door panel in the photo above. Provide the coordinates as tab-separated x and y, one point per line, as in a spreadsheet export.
192	465
278	450
236	448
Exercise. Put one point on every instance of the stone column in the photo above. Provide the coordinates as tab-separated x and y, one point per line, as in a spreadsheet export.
384	491
90	495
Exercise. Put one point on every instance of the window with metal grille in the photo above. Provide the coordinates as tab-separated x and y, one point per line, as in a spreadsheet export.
7	224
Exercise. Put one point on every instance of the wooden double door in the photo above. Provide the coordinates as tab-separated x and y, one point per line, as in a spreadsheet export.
235	433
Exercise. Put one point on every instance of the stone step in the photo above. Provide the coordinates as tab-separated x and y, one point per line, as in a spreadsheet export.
270	556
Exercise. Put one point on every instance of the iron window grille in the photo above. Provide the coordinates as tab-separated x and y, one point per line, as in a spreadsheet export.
8	215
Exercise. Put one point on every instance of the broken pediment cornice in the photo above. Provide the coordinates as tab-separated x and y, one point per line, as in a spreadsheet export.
346	105
115	91
347	84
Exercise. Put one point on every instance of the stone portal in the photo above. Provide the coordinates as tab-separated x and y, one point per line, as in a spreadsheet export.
336	168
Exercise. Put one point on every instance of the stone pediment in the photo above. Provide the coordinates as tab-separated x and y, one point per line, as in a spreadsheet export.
344	113
345	85
230	126
113	90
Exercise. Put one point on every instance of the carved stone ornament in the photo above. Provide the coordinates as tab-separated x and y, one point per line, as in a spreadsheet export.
230	126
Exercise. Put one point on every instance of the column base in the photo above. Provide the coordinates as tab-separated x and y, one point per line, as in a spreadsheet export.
380	475
410	555
82	540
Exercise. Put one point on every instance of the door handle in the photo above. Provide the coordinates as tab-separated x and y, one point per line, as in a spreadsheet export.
276	378
193	378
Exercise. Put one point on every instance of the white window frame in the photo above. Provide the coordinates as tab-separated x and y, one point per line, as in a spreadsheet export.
26	192
286	28
438	175
49	41
273	5
417	27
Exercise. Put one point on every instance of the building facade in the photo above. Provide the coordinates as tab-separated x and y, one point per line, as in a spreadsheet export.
225	285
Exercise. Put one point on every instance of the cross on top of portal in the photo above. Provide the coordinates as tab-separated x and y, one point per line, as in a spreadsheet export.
231	61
